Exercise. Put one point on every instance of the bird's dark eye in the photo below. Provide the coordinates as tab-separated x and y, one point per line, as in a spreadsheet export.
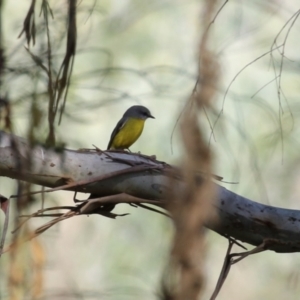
145	114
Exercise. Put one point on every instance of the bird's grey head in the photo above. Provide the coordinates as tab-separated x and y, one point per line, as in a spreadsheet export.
139	112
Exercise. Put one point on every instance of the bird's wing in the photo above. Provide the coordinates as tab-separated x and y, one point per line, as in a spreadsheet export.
118	127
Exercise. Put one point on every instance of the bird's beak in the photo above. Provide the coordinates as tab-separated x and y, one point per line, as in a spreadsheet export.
150	116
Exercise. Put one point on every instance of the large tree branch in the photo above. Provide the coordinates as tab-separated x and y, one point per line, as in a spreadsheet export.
110	173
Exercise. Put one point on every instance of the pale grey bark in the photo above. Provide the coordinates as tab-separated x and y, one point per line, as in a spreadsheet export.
239	217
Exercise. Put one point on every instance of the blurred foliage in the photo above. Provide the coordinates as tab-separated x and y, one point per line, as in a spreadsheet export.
145	52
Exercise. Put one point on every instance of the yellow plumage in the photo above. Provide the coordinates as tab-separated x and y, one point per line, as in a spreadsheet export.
127	134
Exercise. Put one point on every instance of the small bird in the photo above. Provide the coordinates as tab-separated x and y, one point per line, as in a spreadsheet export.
129	128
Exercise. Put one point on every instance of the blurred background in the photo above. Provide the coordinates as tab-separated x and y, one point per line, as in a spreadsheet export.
145	52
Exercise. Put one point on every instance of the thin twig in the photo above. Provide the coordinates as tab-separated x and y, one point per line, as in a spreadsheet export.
224	272
5	227
84	182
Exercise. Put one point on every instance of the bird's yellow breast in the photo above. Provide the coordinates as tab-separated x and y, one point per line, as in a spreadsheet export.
128	134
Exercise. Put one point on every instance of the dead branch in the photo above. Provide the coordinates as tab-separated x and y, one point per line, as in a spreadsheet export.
239	217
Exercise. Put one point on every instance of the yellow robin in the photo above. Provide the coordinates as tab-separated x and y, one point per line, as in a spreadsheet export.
129	128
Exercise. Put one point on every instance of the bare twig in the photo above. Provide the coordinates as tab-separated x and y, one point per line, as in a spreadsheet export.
224	272
233	258
153	209
231	83
4	205
93	206
80	184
